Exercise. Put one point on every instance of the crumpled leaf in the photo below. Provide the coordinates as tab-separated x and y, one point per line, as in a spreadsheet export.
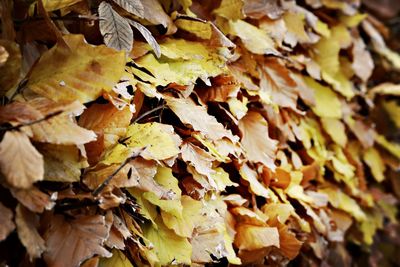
116	31
27	223
75	240
97	69
28	169
34	199
256	186
255	139
7	224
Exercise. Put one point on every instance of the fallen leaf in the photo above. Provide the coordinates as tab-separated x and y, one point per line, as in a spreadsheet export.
75	240
7	224
97	69
197	117
258	145
28	169
27	223
116	31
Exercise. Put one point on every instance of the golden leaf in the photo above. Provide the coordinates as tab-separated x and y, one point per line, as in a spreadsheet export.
96	69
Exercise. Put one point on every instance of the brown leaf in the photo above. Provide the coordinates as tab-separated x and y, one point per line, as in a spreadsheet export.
221	88
197	116
27	223
34	199
6	222
70	242
257	9
255	140
28	169
200	159
10	70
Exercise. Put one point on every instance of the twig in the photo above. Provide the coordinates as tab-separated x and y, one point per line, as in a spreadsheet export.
100	188
148	112
48	116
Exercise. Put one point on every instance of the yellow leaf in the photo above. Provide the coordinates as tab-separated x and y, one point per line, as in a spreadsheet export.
341	201
51	5
190	217
221	178
250	237
169	247
159	140
295	26
182	65
336	130
327	104
62	163
254	39
165	178
375	163
230	9
392	148
81	72
28	169
201	29
118	259
393	109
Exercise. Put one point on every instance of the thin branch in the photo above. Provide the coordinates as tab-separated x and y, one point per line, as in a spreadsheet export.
48	116
148	112
101	187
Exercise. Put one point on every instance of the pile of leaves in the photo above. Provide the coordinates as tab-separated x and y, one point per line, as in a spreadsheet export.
194	132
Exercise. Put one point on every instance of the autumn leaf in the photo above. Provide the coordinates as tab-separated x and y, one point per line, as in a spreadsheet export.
75	240
28	169
97	69
116	31
255	139
7	224
27	223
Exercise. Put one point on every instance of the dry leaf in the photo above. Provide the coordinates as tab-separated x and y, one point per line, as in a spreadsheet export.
255	139
116	31
27	223
28	169
7	224
75	240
